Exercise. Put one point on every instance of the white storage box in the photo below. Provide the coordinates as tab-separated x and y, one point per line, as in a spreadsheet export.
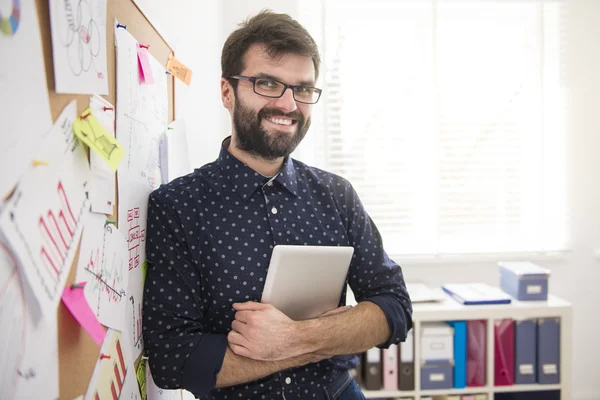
437	342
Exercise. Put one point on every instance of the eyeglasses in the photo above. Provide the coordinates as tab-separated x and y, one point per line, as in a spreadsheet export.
268	87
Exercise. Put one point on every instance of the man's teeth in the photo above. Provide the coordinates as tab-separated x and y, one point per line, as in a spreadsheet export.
281	121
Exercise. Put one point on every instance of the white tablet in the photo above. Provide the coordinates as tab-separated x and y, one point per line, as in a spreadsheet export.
306	281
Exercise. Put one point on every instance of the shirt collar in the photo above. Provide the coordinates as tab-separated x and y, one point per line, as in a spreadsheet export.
245	180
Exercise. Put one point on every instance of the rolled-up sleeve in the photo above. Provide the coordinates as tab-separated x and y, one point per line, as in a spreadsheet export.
374	276
181	353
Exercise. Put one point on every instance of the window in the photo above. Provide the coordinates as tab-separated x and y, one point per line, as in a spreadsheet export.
446	116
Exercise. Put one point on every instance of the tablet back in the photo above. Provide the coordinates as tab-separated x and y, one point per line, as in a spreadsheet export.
306	281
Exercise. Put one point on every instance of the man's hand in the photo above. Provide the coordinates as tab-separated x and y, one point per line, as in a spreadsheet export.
262	332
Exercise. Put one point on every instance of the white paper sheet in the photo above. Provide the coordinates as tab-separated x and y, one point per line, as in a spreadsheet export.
102	188
25	111
153	392
79	46
175	161
90	250
43	219
106	288
29	352
142	115
114	370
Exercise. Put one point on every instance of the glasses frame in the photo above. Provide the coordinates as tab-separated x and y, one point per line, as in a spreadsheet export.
253	79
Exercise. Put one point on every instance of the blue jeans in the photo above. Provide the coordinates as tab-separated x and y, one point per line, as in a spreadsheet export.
352	392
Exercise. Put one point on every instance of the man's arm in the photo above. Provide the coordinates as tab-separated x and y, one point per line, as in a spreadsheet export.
238	369
361	328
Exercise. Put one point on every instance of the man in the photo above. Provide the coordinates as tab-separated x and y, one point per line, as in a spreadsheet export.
211	233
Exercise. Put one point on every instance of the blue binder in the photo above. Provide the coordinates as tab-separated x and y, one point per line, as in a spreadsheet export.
460	353
525	351
548	351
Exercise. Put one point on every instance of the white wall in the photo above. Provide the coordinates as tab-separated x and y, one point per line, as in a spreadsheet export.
198	32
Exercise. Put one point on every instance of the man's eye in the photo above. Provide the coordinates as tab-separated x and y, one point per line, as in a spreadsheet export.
303	89
266	83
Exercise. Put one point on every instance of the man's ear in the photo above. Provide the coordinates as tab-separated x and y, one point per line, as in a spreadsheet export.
227	94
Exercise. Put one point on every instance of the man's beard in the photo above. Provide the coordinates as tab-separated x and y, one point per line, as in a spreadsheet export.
255	140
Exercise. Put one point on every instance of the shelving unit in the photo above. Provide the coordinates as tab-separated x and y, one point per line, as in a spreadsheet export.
450	310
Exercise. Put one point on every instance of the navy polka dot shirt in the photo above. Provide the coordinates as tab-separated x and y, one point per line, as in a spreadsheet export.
210	238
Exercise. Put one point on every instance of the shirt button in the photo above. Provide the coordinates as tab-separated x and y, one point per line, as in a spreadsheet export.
274	210
288	380
270	183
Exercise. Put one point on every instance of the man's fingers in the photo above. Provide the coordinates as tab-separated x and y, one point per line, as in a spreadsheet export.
239	327
240	350
243	316
234	337
250	306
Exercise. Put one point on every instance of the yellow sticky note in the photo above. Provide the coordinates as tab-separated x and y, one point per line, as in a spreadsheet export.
140	373
182	72
90	131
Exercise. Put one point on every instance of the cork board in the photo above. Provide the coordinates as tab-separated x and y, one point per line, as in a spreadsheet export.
77	351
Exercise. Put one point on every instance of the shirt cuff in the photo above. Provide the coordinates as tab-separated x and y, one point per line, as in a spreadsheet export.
202	366
396	318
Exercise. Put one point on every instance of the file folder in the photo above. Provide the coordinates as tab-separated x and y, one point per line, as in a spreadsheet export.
525	351
548	351
504	352
390	368
460	353
373	365
476	349
406	374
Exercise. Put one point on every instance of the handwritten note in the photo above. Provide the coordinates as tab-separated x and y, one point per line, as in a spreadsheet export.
183	73
75	301
92	133
145	67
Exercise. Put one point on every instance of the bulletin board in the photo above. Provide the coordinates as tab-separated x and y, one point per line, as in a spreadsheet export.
78	353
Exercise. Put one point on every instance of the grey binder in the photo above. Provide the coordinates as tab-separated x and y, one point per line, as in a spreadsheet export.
525	351
406	364
548	351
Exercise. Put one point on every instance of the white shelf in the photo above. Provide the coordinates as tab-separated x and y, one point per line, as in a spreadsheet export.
450	310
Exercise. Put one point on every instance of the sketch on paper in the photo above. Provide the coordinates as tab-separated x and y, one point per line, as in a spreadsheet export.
25	114
43	219
28	351
114	369
142	118
107	277
79	45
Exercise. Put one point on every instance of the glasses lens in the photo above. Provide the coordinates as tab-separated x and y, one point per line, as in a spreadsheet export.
306	94
268	87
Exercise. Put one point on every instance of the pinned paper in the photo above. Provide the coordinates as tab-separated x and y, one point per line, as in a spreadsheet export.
92	133
144	64
183	73
74	300
140	373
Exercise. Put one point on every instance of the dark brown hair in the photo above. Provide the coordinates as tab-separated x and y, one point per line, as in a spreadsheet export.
280	34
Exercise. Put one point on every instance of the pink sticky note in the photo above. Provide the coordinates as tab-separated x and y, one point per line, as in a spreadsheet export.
75	301
144	64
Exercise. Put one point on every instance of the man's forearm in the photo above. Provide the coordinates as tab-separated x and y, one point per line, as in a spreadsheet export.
351	332
237	369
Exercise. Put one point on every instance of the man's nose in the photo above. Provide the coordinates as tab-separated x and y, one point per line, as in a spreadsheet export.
286	102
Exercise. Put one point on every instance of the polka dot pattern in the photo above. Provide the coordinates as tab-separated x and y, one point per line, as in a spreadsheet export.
209	240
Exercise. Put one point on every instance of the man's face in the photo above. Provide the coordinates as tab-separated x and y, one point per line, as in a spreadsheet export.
267	127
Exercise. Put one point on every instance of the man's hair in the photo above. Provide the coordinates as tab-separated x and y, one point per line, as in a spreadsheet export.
280	34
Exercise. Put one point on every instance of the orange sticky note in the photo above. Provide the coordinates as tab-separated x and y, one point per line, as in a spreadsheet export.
75	301
183	73
145	67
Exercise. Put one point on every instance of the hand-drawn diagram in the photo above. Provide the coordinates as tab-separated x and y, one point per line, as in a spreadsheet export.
107	277
79	44
9	25
12	318
113	369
